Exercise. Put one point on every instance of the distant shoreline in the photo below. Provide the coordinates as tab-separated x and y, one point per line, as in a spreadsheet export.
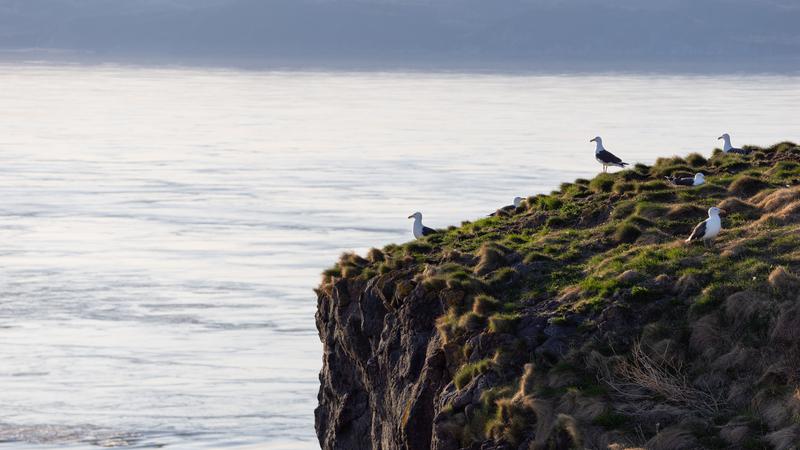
695	66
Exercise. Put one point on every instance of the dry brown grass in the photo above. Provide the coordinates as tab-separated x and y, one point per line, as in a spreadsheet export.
785	438
787	325
742	308
687	284
659	376
527	382
736	205
569	294
737	358
786	215
582	408
734	248
746	186
775	200
706	337
568	433
784	282
736	431
543	410
490	257
685	210
375	255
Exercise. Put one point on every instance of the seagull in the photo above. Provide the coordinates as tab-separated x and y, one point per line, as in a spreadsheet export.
698	179
605	157
419	229
508	209
728	148
708	229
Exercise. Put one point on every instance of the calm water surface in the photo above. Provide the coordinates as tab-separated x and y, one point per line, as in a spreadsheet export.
161	230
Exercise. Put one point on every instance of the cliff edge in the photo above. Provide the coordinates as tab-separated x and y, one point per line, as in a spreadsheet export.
579	320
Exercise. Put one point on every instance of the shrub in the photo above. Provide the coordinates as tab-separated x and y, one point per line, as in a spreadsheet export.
623	209
472	322
556	222
621	187
375	255
650	210
484	305
710	298
626	233
462	377
502	277
549	202
534	256
467	372
417	247
434	284
658	196
640	293
684	210
491	256
785	170
746	186
652	186
503	323
333	272
639	221
696	160
351	271
602	183
528	380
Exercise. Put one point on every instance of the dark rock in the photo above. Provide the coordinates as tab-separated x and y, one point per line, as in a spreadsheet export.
531	329
382	370
553	348
560	331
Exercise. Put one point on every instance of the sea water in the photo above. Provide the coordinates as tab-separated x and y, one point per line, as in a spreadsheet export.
162	229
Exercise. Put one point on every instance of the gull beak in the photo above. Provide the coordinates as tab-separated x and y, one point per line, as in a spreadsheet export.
411	216
719	138
592	140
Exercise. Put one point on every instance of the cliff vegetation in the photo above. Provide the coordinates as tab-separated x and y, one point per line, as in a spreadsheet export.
579	320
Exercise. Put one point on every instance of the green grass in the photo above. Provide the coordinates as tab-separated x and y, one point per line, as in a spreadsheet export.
503	322
467	372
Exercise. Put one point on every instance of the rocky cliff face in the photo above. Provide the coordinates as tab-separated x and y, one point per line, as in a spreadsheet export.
383	366
579	320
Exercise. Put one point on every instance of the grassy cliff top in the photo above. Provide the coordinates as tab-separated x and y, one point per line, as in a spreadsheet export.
603	326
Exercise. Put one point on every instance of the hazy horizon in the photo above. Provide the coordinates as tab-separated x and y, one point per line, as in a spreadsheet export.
584	35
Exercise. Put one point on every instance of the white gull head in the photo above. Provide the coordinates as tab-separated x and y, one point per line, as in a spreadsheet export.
599	141
416	216
699	179
517	201
727	145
